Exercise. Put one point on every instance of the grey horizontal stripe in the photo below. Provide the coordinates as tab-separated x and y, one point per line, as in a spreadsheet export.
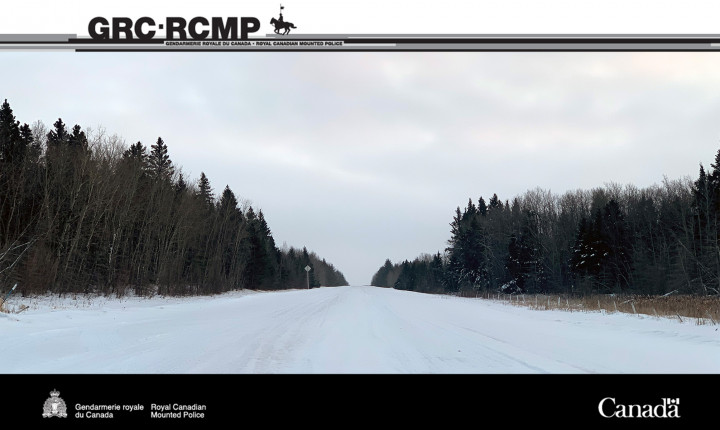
494	35
36	37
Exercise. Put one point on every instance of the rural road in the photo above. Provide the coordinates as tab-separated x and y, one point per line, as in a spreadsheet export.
345	330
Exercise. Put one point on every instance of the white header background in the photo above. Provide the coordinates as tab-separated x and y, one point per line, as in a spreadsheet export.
397	17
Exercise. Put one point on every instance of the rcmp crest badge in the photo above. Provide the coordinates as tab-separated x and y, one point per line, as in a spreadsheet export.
54	406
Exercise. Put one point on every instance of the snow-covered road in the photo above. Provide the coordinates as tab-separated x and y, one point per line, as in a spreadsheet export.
343	330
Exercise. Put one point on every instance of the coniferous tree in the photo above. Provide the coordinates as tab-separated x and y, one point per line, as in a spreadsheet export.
468	265
707	196
582	262
77	139
616	251
159	160
228	202
514	268
524	268
10	139
137	152
662	239
260	270
482	207
495	203
181	186
437	281
59	135
82	218
380	279
311	274
30	146
205	191
406	279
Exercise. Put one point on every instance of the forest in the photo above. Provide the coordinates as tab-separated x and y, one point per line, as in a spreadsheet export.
81	212
659	240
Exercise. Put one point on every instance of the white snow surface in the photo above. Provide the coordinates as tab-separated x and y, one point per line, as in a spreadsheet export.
341	330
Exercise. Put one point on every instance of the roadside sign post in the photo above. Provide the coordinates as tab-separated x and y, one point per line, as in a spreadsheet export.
4	299
307	274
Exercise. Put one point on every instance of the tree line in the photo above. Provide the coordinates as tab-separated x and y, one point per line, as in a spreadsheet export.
81	212
614	239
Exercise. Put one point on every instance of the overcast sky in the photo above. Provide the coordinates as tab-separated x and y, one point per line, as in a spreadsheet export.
364	156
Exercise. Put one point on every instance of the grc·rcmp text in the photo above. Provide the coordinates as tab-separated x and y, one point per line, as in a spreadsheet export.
176	28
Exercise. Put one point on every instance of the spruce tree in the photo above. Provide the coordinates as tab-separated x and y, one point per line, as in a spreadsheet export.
59	135
228	202
78	140
180	186
616	255
406	280
468	264
495	203
159	160
136	152
380	278
262	271
482	207
10	140
437	272
514	268
579	262
29	144
205	192
602	250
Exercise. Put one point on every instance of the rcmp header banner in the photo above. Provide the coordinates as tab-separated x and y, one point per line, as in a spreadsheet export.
298	27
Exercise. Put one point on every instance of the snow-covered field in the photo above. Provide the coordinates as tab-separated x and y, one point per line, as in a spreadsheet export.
341	330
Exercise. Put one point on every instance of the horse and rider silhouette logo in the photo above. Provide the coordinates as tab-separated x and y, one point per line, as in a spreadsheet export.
281	24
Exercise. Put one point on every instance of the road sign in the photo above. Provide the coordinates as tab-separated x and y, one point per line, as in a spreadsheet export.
307	275
307	268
